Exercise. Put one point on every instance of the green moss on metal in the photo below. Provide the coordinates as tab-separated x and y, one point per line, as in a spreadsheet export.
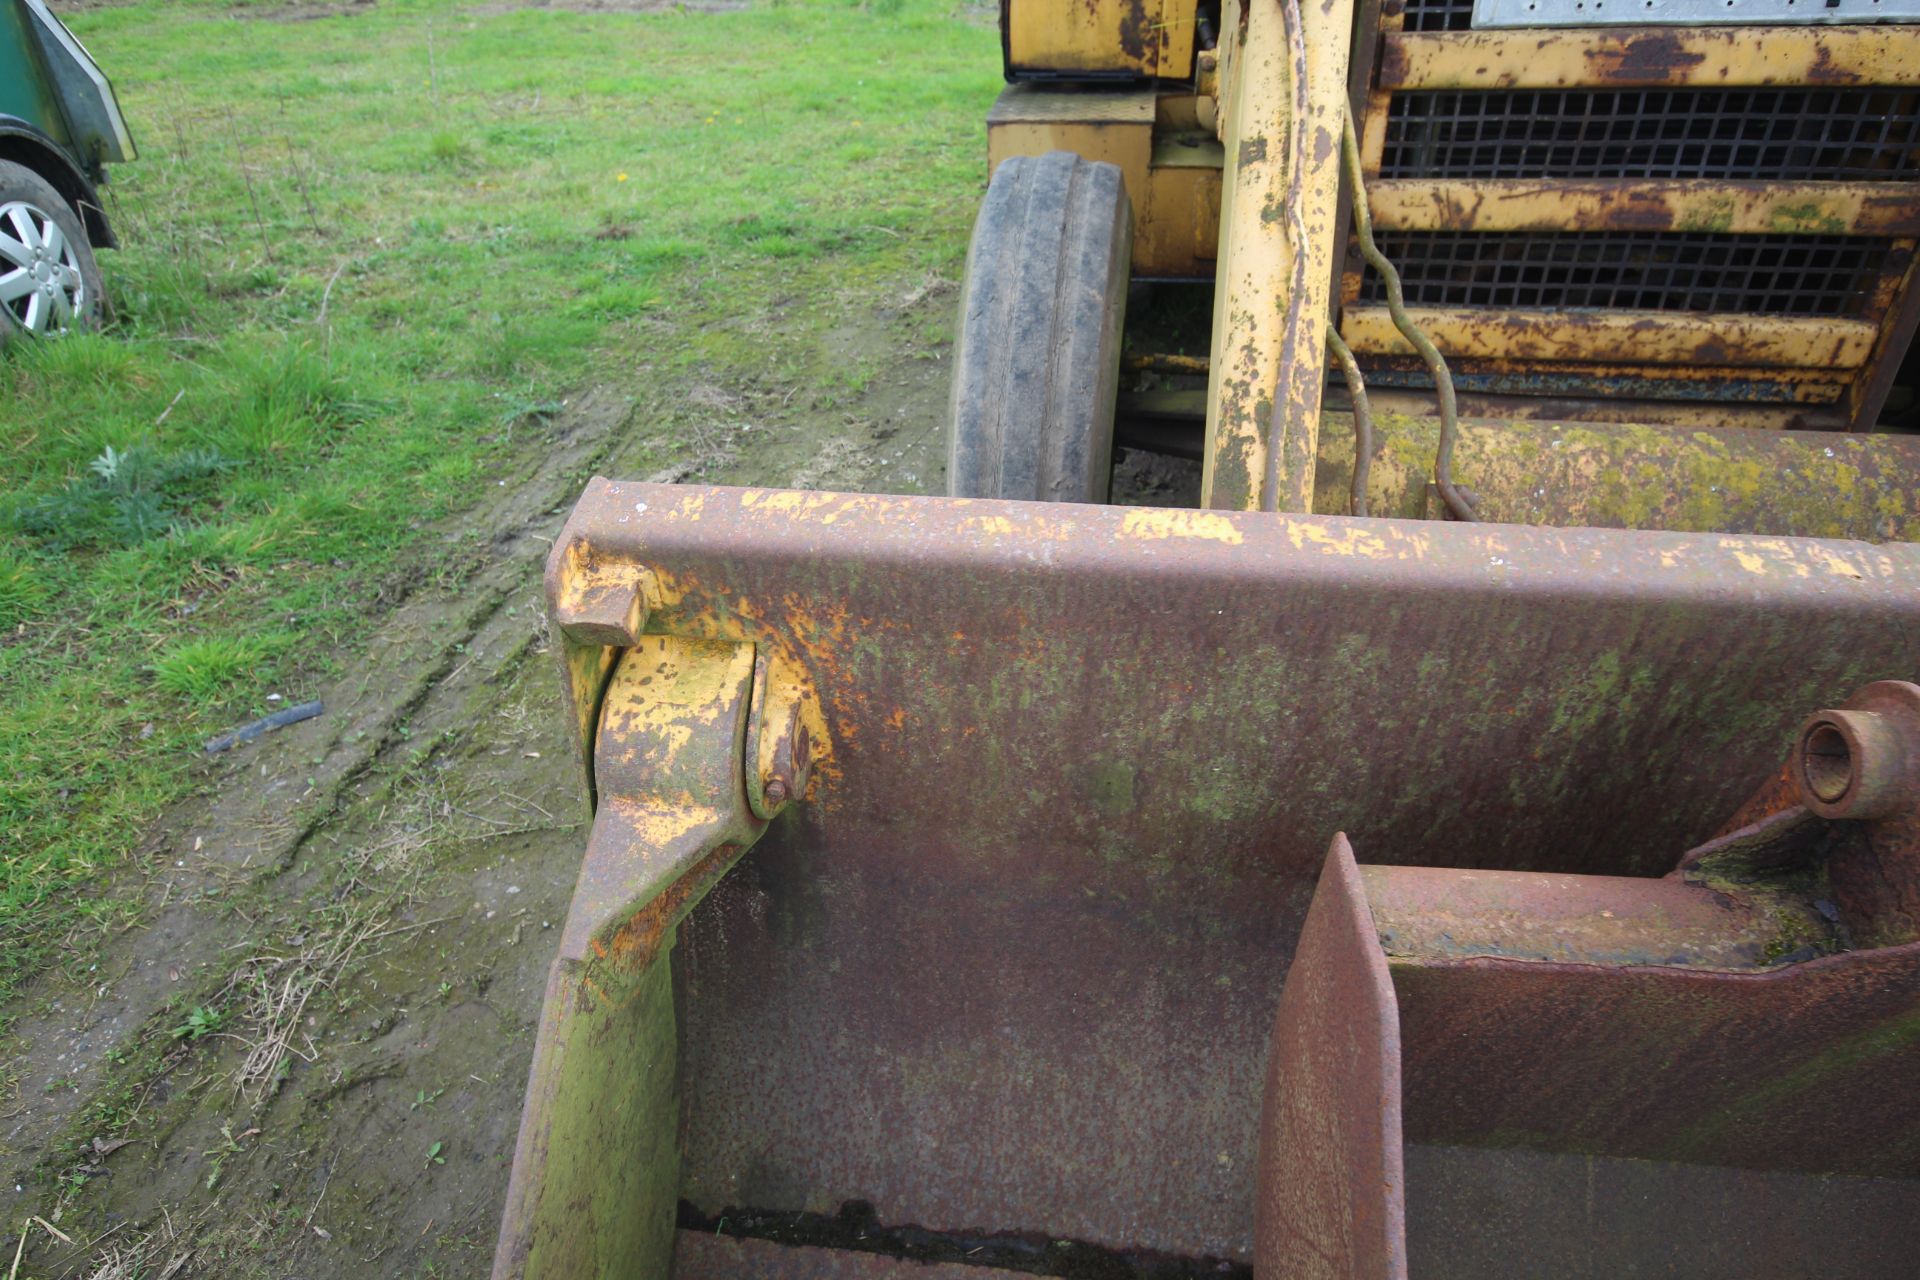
1709	215
1807	218
1640	477
1606	692
1782	898
605	1101
1110	787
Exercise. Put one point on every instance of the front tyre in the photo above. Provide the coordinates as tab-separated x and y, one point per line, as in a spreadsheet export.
1037	363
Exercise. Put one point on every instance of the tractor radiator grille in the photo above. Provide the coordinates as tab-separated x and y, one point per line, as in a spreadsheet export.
1766	135
1663	271
1438	15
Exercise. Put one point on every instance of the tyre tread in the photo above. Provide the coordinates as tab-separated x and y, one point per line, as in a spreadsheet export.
1036	366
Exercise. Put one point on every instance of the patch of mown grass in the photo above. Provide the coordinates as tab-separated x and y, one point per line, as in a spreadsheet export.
352	246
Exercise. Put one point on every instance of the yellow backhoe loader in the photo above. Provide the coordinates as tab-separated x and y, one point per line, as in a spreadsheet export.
1480	839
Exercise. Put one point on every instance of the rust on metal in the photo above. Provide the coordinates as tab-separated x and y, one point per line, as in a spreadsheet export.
1688	391
596	1170
1440	912
1781	1069
1712	415
597	602
597	610
1332	1197
1164	362
781	734
1592	204
1684	1019
1484	1212
1655	354
1007	873
703	1255
1860	763
1102	37
1652	57
1900	320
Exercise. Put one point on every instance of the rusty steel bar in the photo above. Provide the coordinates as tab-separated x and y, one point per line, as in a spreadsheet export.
1646	337
1698	389
1899	293
1605	204
1164	362
1786	55
1621	408
1622	476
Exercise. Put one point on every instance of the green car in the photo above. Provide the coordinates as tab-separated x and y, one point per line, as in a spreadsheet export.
59	127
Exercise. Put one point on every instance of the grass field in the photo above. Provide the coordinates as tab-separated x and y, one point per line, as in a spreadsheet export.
364	247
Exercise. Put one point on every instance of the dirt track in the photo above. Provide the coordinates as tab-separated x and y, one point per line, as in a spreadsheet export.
376	889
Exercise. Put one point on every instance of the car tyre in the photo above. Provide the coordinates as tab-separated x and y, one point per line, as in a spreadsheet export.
49	281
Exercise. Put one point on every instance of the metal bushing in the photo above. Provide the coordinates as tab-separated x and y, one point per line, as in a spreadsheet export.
1862	761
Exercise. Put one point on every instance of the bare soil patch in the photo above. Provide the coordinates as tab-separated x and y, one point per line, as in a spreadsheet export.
302	12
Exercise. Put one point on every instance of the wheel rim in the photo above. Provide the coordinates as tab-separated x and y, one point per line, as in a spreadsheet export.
40	282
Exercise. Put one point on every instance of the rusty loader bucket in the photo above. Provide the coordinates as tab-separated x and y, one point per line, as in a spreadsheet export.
1076	890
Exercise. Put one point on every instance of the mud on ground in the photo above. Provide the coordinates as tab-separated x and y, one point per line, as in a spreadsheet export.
363	906
307	1058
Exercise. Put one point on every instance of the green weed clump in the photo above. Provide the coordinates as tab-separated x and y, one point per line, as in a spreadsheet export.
201	1021
208	667
124	500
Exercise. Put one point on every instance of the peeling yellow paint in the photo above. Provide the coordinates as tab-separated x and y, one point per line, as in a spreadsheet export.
787	501
1346	540
1631	337
1837	566
992	526
1796	559
1165	522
